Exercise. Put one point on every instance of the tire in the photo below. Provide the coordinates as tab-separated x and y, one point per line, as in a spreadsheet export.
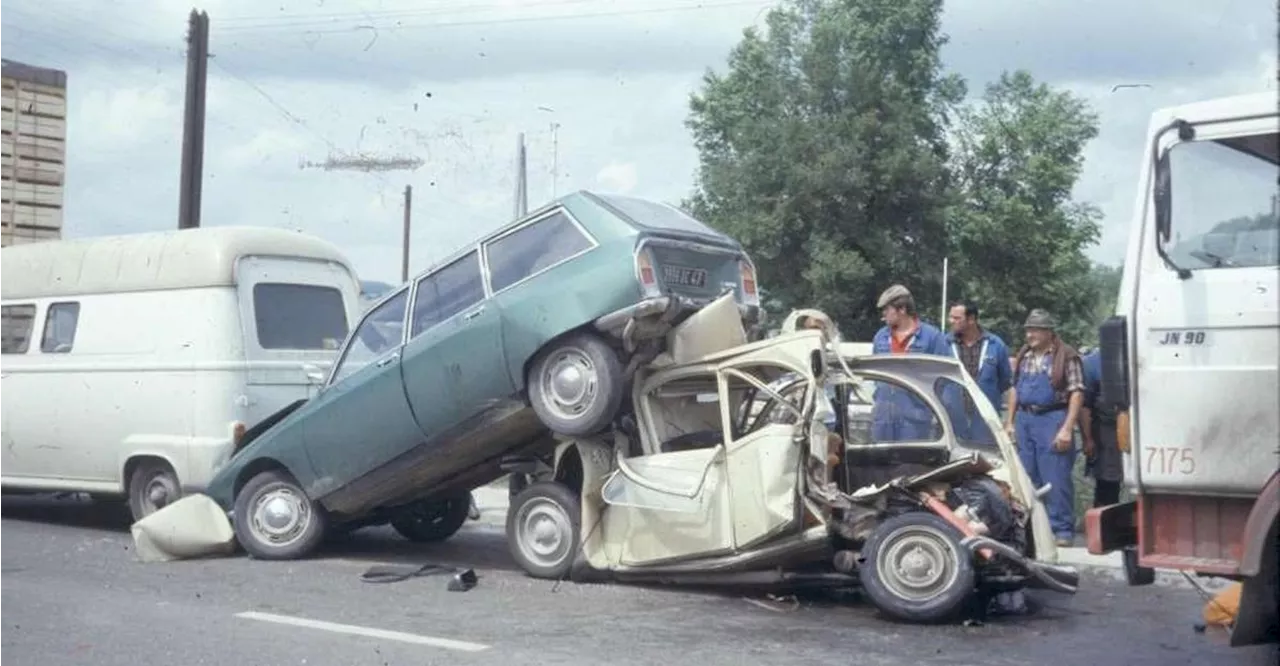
153	485
576	385
544	530
432	521
931	598
275	520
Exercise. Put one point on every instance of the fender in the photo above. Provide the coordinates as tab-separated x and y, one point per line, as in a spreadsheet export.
1258	526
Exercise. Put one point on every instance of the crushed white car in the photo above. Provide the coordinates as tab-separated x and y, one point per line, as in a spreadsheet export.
725	475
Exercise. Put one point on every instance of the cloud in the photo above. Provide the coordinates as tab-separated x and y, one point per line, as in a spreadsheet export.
296	82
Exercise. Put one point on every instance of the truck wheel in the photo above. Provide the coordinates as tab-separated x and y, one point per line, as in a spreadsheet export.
916	570
275	520
543	529
576	385
153	485
433	520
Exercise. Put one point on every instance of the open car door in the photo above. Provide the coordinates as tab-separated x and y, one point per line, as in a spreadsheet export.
710	479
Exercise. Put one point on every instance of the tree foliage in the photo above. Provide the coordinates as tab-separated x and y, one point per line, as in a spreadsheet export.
837	149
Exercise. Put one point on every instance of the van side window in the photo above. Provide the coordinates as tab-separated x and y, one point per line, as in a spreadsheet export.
299	316
60	328
447	292
16	322
536	247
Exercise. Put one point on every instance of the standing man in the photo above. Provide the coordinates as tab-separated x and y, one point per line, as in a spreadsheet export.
1044	406
1101	443
897	415
986	358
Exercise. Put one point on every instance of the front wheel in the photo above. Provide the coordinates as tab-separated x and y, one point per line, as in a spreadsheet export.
576	385
916	570
153	485
275	520
543	529
431	521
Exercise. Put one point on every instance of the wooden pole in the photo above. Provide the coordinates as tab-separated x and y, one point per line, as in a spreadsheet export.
193	121
404	251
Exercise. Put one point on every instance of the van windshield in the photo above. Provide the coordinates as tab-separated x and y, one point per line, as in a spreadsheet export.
299	316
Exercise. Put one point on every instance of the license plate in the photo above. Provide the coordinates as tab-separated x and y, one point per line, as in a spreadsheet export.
684	277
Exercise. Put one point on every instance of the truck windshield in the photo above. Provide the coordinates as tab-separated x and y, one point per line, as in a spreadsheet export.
1224	202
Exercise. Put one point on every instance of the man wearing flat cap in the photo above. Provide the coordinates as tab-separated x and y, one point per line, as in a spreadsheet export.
1043	407
897	415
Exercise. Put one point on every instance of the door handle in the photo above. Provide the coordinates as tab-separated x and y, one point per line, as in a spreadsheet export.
383	362
474	313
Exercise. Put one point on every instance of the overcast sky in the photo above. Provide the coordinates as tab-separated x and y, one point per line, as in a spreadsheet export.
451	82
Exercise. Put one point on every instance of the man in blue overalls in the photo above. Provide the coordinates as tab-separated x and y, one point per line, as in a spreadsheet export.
986	358
1044	406
897	415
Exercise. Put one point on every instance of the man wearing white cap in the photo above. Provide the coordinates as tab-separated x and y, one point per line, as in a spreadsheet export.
897	415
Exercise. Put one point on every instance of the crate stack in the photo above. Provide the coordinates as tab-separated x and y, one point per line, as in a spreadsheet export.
34	129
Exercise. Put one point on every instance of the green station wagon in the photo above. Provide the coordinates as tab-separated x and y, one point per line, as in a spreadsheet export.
530	333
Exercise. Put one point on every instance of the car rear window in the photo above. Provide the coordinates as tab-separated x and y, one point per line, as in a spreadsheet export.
533	248
653	215
299	316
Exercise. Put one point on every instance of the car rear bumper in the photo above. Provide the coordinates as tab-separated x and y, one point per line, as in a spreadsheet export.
664	311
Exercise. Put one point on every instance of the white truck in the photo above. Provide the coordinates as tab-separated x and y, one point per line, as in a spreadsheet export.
1189	361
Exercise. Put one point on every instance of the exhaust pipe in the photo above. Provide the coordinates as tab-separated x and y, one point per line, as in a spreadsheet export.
1050	576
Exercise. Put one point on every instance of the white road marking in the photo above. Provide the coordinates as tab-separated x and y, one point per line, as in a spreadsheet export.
446	643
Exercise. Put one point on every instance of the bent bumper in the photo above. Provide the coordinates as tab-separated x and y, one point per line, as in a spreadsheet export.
1056	577
664	310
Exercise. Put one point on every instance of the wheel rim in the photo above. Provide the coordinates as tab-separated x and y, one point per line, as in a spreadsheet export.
917	563
544	533
279	516
160	490
570	383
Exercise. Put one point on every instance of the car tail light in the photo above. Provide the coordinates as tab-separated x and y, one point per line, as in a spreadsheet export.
645	273
748	274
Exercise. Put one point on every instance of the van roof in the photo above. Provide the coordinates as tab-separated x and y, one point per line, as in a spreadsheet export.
178	259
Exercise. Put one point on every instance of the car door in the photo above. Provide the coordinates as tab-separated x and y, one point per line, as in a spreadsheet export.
362	420
454	367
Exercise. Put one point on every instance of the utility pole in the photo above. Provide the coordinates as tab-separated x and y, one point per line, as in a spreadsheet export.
522	195
192	173
555	156
404	245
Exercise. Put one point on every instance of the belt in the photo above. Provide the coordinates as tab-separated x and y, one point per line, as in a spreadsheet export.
1042	409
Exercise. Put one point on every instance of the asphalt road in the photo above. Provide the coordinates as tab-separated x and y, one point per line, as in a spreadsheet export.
74	594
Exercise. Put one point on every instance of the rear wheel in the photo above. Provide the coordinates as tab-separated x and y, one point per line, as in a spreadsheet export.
916	569
275	520
576	385
434	520
543	529
153	485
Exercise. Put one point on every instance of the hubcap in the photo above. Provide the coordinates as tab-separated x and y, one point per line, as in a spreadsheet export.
570	383
159	492
544	533
280	516
917	563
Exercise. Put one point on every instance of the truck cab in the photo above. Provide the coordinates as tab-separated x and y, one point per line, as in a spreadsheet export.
1190	357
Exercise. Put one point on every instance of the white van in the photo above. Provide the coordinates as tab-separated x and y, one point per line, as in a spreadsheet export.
133	364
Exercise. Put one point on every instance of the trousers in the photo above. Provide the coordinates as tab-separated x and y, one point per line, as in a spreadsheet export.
1035	433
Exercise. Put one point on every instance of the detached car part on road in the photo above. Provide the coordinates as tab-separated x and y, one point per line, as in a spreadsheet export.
531	332
707	485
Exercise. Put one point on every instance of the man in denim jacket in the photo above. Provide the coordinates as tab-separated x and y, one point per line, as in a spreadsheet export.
985	357
897	415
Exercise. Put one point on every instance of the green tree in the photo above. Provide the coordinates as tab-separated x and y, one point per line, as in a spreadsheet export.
1016	238
823	150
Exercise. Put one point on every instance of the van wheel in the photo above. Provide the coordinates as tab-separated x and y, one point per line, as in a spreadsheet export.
153	485
576	384
435	520
915	568
275	520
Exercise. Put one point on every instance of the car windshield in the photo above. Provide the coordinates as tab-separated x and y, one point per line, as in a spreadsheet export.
652	215
1224	202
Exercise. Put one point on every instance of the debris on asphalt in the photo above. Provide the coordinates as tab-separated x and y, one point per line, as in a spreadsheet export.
461	579
775	603
194	526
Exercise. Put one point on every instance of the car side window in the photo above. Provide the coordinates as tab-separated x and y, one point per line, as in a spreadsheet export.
533	248
447	292
16	324
381	331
